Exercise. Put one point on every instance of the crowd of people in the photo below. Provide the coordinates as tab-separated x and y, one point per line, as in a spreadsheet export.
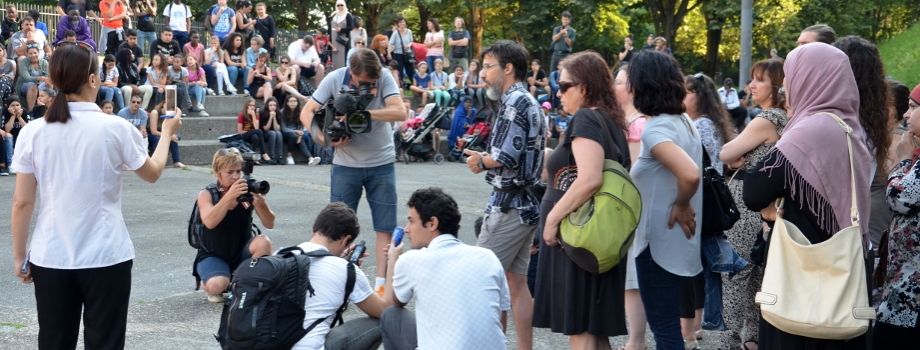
668	128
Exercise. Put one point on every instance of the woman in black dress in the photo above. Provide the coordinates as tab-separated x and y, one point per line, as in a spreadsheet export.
568	299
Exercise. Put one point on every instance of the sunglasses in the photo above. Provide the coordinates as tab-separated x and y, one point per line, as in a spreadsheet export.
78	43
225	151
565	86
285	62
135	102
340	5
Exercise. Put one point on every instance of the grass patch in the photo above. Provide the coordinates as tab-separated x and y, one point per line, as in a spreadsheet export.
11	324
902	58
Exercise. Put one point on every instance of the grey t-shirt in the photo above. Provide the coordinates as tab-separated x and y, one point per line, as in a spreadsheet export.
670	248
138	120
400	43
559	45
364	150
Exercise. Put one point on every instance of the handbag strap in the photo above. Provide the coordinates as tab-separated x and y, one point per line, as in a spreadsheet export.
854	212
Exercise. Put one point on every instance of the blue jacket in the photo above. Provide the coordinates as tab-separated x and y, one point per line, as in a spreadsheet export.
461	119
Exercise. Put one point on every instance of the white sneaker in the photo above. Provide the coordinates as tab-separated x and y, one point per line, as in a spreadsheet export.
216	298
200	106
202	113
290	160
245	92
314	161
210	91
12	171
231	88
221	93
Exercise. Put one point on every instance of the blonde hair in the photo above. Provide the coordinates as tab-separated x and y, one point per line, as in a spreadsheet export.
226	161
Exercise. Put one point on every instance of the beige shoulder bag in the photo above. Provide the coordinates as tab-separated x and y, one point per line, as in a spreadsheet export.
817	290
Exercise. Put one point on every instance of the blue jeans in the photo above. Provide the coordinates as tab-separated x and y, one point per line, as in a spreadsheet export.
234	72
112	94
348	183
718	257
9	149
144	39
210	76
430	61
173	146
660	291
180	37
357	334
198	91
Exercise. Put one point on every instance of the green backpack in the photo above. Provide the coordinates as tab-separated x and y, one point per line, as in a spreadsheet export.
597	236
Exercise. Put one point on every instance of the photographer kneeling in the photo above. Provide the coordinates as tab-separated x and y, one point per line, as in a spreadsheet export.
227	239
364	161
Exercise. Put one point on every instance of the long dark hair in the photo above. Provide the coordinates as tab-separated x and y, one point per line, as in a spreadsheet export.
228	44
874	94
709	105
589	69
246	109
69	70
291	117
264	112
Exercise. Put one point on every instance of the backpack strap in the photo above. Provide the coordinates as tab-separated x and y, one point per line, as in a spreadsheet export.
215	194
349	285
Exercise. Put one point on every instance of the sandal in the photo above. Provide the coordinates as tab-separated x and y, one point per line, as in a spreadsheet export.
624	348
744	345
699	334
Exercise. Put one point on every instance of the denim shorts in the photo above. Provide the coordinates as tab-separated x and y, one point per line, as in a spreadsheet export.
213	266
349	183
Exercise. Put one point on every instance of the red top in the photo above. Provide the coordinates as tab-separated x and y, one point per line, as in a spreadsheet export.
247	125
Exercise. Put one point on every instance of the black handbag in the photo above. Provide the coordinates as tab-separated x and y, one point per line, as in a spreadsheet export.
719	209
342	39
410	56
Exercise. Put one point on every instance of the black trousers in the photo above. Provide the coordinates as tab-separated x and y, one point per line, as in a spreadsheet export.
256	138
99	294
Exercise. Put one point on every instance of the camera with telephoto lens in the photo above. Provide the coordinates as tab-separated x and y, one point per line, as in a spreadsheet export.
351	107
252	185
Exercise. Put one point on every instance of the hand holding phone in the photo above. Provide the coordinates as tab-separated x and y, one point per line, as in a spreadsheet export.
358	253
398	236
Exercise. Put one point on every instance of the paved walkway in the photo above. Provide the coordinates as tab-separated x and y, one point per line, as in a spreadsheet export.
165	312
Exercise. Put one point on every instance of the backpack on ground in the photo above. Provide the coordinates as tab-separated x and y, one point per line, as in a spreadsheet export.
265	309
325	154
195	225
597	235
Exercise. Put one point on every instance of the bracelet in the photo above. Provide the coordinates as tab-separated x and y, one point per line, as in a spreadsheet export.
482	165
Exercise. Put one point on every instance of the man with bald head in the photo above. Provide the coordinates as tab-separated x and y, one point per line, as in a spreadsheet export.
817	33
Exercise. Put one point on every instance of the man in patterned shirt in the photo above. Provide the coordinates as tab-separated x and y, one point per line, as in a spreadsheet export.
514	165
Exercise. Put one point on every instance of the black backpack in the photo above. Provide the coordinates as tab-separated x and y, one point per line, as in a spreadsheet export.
265	309
195	225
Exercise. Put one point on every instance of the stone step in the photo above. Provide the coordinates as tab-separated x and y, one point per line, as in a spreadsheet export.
198	152
206	128
226	106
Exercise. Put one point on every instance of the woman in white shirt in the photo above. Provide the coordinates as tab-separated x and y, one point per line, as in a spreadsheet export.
80	261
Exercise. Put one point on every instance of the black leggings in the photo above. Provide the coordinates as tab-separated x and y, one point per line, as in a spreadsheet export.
403	61
256	138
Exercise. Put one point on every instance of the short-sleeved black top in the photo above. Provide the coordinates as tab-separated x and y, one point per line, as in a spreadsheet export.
561	165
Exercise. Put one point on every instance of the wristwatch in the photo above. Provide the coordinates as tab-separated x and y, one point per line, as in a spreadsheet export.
482	165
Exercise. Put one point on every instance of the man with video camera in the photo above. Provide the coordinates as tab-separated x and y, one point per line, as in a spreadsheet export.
227	238
363	161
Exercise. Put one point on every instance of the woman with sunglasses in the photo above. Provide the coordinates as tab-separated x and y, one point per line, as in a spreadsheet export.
286	84
359	43
80	262
741	314
585	306
667	173
227	239
33	74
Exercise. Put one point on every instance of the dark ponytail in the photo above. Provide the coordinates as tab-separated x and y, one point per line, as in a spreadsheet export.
68	72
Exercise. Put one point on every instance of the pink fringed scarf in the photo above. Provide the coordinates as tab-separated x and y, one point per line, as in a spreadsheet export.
813	146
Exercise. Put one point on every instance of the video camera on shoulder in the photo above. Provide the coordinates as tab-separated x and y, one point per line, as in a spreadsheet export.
252	185
343	116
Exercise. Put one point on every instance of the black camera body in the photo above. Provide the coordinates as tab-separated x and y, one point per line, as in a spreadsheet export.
252	185
351	107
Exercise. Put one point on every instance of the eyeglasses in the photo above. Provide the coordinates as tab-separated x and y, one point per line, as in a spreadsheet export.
339	5
489	65
359	43
698	75
566	85
285	62
135	102
225	151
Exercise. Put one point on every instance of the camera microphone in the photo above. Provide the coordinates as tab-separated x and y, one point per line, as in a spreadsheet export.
345	104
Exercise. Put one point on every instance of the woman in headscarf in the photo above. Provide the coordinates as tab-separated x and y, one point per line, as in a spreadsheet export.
809	166
340	27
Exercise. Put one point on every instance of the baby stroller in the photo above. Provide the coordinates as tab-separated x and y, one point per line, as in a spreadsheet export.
476	138
421	144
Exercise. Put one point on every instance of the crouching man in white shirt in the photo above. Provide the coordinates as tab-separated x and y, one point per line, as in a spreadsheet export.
335	229
461	289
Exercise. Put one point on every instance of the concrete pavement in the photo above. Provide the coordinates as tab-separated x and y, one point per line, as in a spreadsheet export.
165	311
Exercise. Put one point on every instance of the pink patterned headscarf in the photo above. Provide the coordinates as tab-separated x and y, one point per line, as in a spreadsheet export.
819	80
